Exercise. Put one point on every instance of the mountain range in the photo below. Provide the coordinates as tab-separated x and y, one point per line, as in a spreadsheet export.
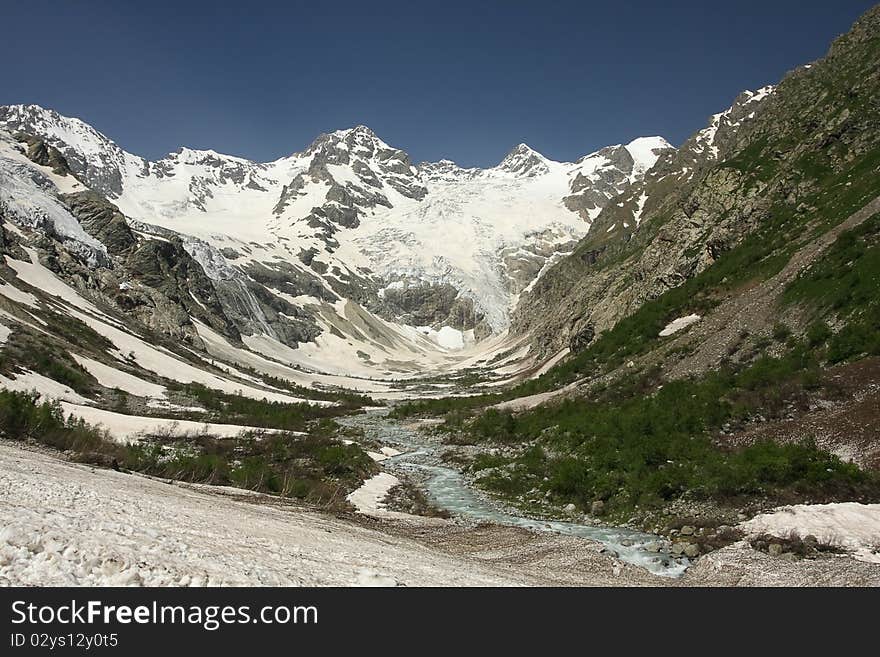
433	248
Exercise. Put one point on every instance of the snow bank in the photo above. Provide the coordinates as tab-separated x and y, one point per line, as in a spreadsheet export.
849	525
127	428
48	388
369	499
677	325
110	377
447	337
14	294
63	524
546	367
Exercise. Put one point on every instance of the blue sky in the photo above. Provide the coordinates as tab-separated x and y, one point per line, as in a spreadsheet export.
458	80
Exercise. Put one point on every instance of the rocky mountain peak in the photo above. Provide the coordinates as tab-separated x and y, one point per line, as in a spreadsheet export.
525	161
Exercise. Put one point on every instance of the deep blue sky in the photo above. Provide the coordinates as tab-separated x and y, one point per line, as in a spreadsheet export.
461	80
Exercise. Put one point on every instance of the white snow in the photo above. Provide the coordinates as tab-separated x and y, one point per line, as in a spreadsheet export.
127	428
849	525
640	208
19	296
369	499
110	377
65	524
447	337
644	153
677	325
48	388
546	367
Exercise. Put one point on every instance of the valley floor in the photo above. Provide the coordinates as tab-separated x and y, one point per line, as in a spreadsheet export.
70	524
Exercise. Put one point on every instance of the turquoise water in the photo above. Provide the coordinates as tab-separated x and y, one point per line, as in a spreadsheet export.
448	489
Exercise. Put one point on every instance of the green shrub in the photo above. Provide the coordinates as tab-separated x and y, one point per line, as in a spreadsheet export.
781	332
818	333
23	416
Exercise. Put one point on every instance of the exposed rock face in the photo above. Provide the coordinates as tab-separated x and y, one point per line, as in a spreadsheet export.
154	282
524	161
41	153
592	192
754	164
167	268
246	299
102	220
430	305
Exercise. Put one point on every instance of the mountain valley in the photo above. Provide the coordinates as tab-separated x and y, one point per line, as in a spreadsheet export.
660	353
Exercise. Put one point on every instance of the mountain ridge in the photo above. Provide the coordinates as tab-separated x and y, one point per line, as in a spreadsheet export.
323	198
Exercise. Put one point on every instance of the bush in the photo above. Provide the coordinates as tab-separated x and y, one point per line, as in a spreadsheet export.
22	416
781	332
818	333
238	409
636	447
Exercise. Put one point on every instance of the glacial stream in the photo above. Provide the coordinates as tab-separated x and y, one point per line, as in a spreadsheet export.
448	489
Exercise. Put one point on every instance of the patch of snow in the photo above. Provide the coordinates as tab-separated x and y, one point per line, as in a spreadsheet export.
20	296
645	153
369	499
677	325
447	337
546	367
640	208
849	525
49	389
128	428
110	377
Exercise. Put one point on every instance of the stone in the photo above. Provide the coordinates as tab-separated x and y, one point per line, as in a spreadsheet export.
570	509
687	530
775	549
691	550
597	508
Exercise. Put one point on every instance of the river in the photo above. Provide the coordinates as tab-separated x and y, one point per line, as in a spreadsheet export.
447	488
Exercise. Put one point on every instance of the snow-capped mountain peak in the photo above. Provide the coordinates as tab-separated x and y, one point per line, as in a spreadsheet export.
645	151
743	109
